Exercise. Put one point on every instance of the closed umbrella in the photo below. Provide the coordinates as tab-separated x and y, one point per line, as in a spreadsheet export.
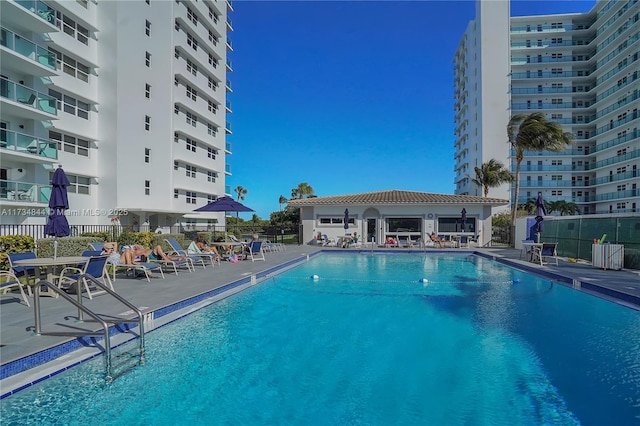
463	219
346	219
540	214
57	224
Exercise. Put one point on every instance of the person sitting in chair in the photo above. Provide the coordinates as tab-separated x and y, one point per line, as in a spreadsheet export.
436	239
391	242
203	247
125	258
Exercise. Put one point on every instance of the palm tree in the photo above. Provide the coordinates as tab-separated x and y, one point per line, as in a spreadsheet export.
282	200
303	190
240	191
492	174
533	132
530	206
563	207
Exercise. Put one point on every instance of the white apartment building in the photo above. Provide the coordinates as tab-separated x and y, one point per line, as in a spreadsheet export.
129	97
580	70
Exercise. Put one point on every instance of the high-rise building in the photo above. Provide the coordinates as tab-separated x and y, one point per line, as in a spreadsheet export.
129	97
580	70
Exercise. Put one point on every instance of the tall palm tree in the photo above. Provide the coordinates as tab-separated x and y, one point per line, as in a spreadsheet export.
282	200
563	207
533	132
529	206
492	174
240	191
302	190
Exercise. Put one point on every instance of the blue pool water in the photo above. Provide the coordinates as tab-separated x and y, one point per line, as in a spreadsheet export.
367	343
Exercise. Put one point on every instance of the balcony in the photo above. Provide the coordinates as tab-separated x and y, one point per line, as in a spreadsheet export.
227	169
227	128
29	15
33	147
24	56
228	86
228	106
227	148
24	193
229	24
229	44
229	66
25	102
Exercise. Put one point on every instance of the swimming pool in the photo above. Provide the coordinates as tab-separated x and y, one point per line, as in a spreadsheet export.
368	343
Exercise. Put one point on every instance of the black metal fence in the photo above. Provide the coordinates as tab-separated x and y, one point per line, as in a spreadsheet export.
285	234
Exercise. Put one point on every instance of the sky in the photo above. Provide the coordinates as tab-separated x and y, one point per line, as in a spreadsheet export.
347	96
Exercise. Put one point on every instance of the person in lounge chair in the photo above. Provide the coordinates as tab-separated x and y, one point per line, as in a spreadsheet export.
390	242
435	239
203	247
125	258
156	254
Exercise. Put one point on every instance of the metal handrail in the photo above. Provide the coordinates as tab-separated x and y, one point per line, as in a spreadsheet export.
95	317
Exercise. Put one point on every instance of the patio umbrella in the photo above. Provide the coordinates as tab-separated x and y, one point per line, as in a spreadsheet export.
224	204
346	218
57	224
463	219
540	213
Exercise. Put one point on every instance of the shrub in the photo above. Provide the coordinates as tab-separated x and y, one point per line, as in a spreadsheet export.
14	244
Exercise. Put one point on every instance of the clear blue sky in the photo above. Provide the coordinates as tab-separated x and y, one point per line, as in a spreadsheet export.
348	96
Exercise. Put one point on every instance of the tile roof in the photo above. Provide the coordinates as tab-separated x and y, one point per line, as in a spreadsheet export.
396	197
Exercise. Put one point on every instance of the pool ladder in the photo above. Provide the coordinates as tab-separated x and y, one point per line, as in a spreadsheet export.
126	359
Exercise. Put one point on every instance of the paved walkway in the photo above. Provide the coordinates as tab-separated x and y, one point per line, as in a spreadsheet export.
20	346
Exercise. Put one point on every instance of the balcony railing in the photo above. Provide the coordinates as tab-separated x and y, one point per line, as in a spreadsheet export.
24	192
228	146
39	8
29	144
229	65
28	49
27	96
227	168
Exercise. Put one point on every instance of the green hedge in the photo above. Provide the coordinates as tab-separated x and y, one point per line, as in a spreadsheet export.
14	244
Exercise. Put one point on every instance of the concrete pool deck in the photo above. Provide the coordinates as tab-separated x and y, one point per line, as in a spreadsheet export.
21	349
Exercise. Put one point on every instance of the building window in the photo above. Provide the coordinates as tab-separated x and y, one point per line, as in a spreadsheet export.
213	61
556	193
211	176
211	153
212	38
190	171
70	144
70	105
192	119
78	184
192	68
147	60
147	187
191	41
70	66
176	165
211	198
176	109
212	130
192	93
192	16
556	162
147	91
147	155
621	188
71	28
213	84
176	137
191	145
213	107
191	197
147	28
176	193
147	122
555	177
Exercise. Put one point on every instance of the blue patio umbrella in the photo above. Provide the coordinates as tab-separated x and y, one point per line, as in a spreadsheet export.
224	204
346	218
463	219
57	224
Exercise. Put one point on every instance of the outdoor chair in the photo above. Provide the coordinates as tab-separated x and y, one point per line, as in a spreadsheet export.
96	246
9	281
195	257
26	272
464	241
254	251
94	267
546	252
